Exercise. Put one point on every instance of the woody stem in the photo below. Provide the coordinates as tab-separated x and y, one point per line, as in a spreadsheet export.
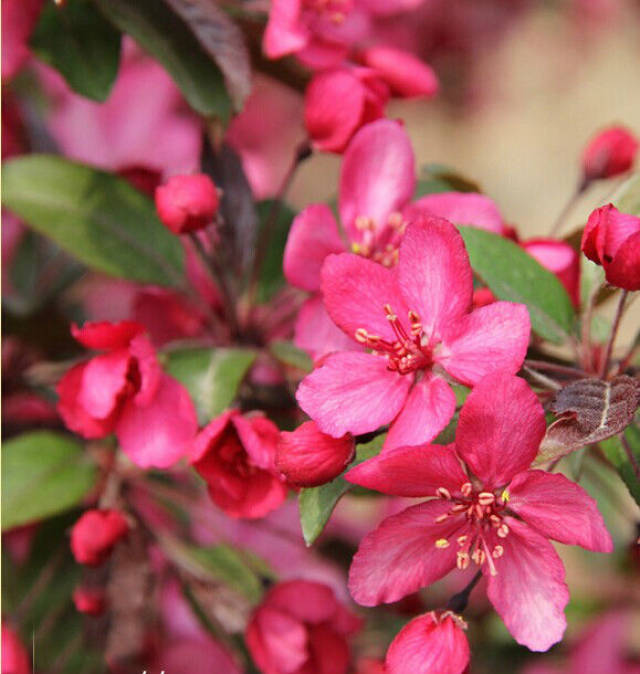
612	335
458	602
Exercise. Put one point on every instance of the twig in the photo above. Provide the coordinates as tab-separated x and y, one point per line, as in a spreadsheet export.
542	379
555	367
612	335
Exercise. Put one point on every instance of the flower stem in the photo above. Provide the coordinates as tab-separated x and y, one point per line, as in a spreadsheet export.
555	367
612	335
458	602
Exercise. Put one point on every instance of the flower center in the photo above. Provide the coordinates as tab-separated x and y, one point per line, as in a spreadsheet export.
484	512
334	11
380	244
410	350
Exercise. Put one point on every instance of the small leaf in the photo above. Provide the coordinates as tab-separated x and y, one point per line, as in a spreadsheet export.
168	39
627	197
425	187
628	467
514	275
80	44
212	376
317	503
271	273
95	216
43	473
449	177
289	354
589	410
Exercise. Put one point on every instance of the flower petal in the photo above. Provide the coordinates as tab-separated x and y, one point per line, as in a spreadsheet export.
329	650
313	235
411	471
306	600
377	176
493	337
559	509
103	381
462	208
159	433
428	409
529	591
352	392
401	556
434	273
103	336
500	428
316	333
624	270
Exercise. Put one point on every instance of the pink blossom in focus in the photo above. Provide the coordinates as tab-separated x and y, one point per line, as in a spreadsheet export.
433	643
15	658
235	455
612	239
94	535
415	318
19	18
485	507
186	203
609	153
300	628
125	391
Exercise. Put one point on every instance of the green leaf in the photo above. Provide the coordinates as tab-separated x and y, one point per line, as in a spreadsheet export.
163	34
96	217
317	503
627	197
43	473
289	354
430	186
212	376
271	273
80	44
617	454
513	275
445	175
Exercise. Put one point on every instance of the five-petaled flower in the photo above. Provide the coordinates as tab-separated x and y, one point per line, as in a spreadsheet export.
417	322
486	508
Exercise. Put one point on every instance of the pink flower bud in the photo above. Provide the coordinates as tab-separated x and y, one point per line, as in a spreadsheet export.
15	659
339	102
612	239
433	642
89	600
186	203
95	534
406	75
609	153
308	457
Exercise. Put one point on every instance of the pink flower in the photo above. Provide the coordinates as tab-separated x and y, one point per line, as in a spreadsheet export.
338	102
417	320
95	534
186	203
15	658
300	628
612	239
125	391
307	457
235	455
561	259
486	507
610	153
433	643
89	600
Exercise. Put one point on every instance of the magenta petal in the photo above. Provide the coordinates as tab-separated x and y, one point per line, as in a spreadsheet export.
278	642
313	235
428	409
356	291
103	336
285	32
493	337
559	509
529	591
308	601
463	208
500	428
624	270
104	379
352	393
378	175
148	368
401	556
160	433
316	333
434	273
411	471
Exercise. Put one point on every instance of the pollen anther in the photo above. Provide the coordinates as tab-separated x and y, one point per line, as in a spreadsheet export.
466	489
442	543
444	493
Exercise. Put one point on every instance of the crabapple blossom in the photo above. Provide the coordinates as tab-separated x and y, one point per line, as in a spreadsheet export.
235	455
416	321
95	534
301	627
433	643
125	391
612	239
486	508
186	203
609	153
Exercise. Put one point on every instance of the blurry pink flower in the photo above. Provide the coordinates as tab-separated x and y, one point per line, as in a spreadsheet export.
486	507
95	534
299	628
125	391
89	600
416	319
612	239
610	153
370	666
340	101
235	455
15	658
307	457
406	75
561	259
195	655
19	18
433	643
186	203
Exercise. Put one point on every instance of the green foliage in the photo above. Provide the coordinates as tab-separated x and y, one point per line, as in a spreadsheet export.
291	355
278	218
80	44
96	217
43	473
512	274
627	198
628	466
